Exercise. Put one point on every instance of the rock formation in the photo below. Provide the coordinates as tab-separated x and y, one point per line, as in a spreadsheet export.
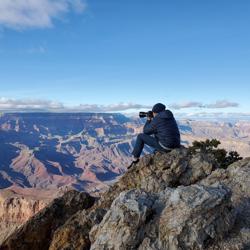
166	201
18	205
181	218
37	232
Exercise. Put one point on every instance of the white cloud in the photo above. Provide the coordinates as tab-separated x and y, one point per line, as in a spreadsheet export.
10	105
217	105
186	105
7	104
28	105
222	104
213	116
111	107
21	14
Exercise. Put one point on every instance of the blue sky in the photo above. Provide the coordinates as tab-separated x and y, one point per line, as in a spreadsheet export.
192	55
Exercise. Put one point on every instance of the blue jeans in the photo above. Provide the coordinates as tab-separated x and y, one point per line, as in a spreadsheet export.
148	140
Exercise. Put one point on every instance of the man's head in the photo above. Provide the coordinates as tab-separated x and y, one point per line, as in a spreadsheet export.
157	108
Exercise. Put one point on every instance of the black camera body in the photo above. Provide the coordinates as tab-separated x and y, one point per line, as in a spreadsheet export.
148	114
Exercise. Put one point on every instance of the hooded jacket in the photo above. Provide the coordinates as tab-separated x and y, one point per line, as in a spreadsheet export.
165	129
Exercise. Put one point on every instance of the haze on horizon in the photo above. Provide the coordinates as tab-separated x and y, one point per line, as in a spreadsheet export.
113	56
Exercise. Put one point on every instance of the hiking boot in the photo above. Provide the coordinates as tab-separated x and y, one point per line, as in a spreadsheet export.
134	161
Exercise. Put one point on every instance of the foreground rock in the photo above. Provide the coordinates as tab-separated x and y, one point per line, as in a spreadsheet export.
17	205
237	178
167	201
37	232
182	218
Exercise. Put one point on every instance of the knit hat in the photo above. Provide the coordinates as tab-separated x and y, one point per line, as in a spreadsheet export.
159	107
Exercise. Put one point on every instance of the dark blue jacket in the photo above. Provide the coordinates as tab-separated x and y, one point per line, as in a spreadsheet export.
165	129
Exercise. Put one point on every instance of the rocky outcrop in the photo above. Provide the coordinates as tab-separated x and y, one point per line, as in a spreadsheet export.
37	232
167	201
16	207
237	178
181	218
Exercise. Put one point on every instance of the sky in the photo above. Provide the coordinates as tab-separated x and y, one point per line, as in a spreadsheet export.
114	55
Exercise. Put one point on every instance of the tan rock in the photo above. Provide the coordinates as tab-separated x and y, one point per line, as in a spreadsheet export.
37	232
17	205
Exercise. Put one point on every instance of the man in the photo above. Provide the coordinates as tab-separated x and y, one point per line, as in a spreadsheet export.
160	132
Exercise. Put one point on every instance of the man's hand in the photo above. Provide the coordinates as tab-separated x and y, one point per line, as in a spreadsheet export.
149	118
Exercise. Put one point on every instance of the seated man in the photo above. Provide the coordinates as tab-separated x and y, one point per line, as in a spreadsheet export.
163	127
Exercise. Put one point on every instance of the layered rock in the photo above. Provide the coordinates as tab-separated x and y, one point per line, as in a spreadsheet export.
166	201
86	151
45	150
37	232
234	136
18	205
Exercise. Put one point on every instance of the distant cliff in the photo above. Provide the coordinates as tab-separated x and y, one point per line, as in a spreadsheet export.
48	150
167	201
233	136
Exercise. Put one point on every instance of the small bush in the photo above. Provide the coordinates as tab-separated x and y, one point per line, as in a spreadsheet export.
223	157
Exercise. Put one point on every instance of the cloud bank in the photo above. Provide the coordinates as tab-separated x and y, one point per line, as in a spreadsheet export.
44	105
27	105
111	107
216	116
186	105
20	14
223	104
217	105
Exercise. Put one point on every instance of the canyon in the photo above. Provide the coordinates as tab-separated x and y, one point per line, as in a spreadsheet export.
167	201
44	155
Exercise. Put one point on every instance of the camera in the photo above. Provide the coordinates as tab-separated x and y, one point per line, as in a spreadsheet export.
148	114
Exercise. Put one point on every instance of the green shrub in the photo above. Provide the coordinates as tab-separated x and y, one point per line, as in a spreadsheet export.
223	157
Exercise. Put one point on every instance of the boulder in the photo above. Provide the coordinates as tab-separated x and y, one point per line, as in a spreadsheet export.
182	218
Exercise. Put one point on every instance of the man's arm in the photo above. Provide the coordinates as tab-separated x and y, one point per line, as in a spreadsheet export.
150	127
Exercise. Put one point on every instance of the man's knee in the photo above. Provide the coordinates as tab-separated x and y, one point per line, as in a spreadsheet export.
142	136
